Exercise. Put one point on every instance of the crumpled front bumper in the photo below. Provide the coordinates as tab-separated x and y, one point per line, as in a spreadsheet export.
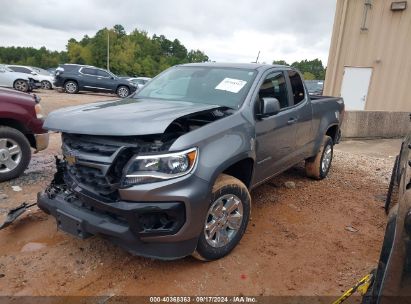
161	220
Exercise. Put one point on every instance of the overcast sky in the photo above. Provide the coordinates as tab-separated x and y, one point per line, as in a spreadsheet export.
226	30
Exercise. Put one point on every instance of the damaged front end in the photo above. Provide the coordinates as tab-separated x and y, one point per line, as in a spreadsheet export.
87	195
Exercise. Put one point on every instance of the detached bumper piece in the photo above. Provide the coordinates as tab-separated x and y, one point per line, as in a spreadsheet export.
124	223
42	141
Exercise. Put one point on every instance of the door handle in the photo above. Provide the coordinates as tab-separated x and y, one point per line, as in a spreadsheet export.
292	121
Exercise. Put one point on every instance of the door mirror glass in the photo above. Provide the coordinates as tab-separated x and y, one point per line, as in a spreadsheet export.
269	106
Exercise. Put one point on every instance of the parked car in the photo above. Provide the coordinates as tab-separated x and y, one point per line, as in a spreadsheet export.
139	81
167	172
21	127
51	70
45	81
392	281
75	77
315	87
18	81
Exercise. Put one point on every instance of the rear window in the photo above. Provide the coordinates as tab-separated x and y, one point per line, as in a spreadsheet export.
297	86
88	71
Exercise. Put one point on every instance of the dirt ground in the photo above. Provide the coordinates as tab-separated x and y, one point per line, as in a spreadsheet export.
315	239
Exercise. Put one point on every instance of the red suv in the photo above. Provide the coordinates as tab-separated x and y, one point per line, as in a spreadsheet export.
21	127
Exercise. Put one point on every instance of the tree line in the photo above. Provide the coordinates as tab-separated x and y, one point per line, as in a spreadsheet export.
134	53
311	69
131	54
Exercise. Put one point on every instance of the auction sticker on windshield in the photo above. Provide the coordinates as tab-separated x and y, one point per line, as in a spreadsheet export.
231	85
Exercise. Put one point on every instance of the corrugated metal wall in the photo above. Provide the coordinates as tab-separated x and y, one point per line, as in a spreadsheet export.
385	46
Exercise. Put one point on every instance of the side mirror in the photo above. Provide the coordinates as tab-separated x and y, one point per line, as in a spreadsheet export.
33	73
269	106
2	70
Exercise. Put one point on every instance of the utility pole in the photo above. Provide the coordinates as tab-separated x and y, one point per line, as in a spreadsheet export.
258	56
108	50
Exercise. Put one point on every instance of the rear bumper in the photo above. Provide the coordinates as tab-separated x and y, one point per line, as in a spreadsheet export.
42	141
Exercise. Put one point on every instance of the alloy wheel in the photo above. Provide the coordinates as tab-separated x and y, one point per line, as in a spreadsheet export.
325	164
123	92
223	220
21	85
10	155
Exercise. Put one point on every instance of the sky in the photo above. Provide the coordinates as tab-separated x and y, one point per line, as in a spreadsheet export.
226	30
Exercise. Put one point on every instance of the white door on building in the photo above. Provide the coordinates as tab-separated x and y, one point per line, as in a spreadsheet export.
354	87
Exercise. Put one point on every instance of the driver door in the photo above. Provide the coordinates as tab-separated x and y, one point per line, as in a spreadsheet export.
275	138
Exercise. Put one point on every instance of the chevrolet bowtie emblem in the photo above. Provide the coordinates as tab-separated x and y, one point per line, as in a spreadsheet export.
70	157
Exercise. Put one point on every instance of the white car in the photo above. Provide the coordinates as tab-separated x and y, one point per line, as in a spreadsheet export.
139	81
46	79
19	81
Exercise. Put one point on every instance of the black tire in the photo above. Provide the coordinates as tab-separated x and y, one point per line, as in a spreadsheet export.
11	135
21	85
71	87
392	185
224	186
314	166
46	85
123	91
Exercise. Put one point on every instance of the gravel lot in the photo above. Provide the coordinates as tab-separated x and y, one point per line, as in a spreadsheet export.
310	238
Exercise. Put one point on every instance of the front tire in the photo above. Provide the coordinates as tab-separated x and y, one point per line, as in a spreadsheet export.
318	166
71	87
226	219
123	91
46	85
21	85
15	153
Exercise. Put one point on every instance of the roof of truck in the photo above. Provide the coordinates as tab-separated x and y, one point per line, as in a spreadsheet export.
254	66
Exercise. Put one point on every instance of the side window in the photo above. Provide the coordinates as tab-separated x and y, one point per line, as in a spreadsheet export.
297	86
88	71
102	73
274	85
20	69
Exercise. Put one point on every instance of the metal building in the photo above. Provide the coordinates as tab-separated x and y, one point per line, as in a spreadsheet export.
369	63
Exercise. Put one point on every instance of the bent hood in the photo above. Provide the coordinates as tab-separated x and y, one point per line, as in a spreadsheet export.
124	117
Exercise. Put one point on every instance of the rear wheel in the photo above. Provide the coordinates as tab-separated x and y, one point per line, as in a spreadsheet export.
15	153
318	166
71	87
21	85
123	91
46	85
226	219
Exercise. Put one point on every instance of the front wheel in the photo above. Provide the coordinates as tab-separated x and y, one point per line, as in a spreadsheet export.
15	153
46	85
226	219
21	85
318	166
123	91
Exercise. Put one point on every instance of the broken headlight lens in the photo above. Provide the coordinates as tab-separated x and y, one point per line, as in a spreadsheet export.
144	169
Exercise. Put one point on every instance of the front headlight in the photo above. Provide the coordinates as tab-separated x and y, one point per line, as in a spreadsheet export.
144	169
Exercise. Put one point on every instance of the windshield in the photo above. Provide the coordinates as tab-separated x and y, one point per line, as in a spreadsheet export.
218	86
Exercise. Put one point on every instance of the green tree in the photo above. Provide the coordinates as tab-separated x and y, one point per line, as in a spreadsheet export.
280	62
309	76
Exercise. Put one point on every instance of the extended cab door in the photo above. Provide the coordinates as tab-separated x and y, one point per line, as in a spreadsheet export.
301	115
275	138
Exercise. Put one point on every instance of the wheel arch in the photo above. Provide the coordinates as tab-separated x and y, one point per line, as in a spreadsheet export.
15	124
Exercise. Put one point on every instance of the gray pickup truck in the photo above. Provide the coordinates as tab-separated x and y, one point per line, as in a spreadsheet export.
167	172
